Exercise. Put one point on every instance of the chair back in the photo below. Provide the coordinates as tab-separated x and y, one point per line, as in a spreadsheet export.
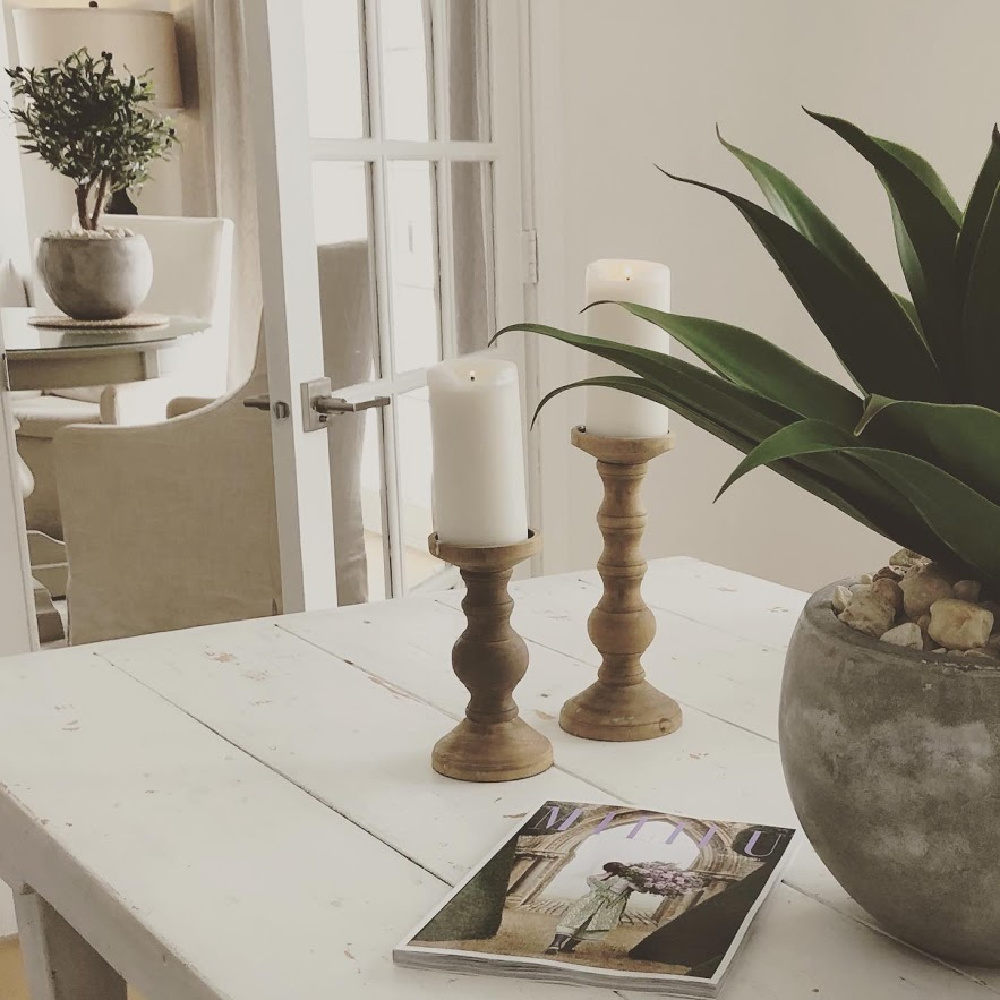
13	291
192	276
171	525
192	265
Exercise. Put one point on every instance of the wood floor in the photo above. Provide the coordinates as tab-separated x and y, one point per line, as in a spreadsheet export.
12	986
11	972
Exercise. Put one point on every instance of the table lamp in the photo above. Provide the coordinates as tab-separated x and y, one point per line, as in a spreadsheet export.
138	39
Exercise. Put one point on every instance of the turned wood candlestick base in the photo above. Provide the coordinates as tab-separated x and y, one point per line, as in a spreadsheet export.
492	743
622	705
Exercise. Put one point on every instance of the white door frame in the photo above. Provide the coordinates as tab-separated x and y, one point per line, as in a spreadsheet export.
18	630
290	283
548	363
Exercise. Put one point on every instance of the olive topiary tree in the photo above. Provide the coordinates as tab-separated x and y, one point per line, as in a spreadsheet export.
90	125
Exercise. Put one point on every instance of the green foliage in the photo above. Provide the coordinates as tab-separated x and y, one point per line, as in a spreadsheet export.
91	125
915	452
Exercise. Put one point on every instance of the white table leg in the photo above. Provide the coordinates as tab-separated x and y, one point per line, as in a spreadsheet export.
58	963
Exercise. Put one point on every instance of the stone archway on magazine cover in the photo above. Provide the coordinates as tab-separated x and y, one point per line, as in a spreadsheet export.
540	857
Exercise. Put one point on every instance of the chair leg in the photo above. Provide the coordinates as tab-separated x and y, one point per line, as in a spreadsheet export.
58	963
50	626
48	563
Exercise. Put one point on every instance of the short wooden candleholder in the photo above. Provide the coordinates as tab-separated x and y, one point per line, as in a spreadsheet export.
622	705
492	743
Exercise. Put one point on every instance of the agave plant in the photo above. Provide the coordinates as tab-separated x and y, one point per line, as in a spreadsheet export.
914	451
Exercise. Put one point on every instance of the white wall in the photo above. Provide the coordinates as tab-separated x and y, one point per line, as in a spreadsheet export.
644	82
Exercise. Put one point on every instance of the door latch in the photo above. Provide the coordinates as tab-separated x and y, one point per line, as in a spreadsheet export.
281	410
319	404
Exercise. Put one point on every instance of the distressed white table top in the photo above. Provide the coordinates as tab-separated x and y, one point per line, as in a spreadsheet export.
247	811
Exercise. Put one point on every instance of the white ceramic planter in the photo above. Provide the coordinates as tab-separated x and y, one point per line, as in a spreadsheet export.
96	278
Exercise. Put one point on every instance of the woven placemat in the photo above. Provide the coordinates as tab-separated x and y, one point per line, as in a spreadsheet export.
132	322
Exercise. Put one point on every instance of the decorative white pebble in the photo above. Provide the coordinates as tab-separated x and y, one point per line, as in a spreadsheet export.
906	558
841	598
960	624
870	614
908	634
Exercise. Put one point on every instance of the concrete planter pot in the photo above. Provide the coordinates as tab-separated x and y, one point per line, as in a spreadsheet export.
892	759
96	278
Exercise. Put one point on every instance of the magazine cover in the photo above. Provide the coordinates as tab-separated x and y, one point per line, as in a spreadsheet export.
626	893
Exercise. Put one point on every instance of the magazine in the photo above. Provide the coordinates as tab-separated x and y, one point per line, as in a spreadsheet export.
604	895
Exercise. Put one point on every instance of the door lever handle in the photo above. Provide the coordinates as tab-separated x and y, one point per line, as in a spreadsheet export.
319	404
332	404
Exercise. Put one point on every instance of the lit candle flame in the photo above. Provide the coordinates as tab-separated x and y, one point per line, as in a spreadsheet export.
628	274
472	376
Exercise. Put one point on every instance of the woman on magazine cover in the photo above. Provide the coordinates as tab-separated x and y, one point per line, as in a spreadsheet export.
598	913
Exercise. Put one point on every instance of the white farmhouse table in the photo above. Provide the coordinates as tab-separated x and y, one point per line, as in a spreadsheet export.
248	812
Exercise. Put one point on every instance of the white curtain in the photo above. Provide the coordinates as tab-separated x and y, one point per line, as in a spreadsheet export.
235	183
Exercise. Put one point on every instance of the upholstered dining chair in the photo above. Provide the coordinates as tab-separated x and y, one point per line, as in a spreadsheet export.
192	260
173	524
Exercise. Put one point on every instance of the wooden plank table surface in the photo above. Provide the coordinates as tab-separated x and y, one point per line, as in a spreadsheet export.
247	811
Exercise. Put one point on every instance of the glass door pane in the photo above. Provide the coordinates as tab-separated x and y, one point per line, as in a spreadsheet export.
342	200
413	264
358	507
334	69
407	69
413	441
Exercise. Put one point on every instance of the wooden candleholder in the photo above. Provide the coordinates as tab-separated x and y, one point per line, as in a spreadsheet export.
622	705
492	742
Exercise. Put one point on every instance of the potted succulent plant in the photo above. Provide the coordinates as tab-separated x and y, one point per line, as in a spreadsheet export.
890	706
99	130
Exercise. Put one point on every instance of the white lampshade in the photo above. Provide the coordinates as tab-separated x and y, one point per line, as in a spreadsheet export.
138	40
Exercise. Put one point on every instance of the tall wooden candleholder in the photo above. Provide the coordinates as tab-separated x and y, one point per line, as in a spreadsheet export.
622	705
492	742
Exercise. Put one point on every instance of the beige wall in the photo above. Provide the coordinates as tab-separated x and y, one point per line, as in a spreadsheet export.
644	82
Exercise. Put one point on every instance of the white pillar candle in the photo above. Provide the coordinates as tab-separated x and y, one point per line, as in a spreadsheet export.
479	496
611	413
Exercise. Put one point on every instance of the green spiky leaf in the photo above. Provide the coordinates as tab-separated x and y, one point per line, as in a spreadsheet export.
750	361
844	310
966	522
926	222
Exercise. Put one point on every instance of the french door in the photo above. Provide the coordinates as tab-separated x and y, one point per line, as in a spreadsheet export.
397	166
